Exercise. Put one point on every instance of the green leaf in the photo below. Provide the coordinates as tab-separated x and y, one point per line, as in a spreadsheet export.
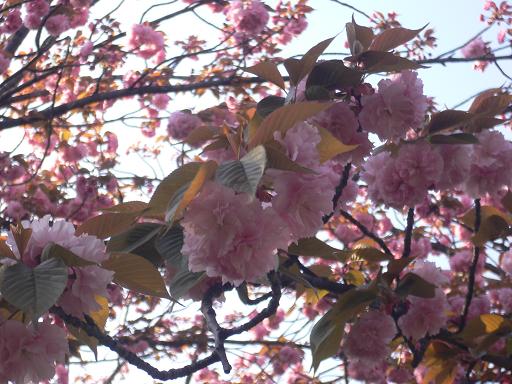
183	281
243	175
134	237
372	255
327	333
333	74
35	290
169	246
56	251
186	193
268	71
136	273
268	105
326	337
167	188
412	284
456	138
314	247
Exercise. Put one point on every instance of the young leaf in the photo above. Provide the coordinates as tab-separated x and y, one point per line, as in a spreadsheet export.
392	38
21	237
5	251
268	71
35	290
285	118
298	69
329	146
243	175
136	273
107	224
358	36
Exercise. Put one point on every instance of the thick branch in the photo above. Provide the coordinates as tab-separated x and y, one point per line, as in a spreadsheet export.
408	233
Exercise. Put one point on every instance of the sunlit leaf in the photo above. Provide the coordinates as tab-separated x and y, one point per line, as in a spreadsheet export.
136	273
285	118
167	188
277	159
107	224
329	146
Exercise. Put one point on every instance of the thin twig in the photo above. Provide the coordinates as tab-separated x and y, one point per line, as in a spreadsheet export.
472	269
366	231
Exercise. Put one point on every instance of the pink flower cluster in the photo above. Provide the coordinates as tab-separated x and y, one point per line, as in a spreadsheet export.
368	339
12	21
87	282
220	240
405	179
341	121
146	42
180	124
398	106
29	354
426	316
249	18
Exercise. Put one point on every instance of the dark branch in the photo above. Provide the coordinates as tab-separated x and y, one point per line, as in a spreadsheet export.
366	231
408	233
338	192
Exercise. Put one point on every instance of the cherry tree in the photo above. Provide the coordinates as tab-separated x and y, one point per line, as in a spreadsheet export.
315	222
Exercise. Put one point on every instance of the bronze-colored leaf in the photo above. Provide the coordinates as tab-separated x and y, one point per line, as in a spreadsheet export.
268	71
